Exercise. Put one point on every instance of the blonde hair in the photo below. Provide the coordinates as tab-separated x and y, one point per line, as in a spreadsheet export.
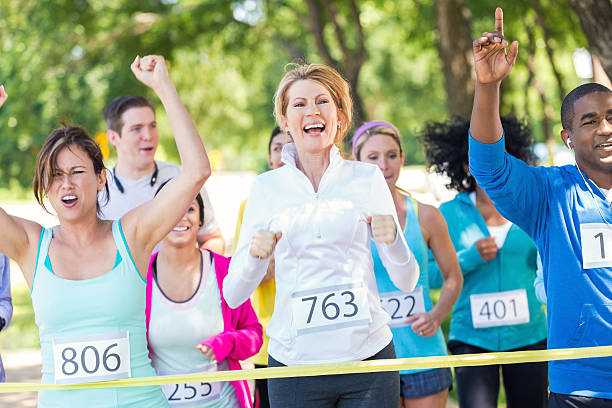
330	79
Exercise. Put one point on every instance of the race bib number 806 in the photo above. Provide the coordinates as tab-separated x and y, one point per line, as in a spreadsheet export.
83	359
331	307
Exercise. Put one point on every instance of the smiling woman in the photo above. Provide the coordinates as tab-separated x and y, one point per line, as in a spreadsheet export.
85	274
316	216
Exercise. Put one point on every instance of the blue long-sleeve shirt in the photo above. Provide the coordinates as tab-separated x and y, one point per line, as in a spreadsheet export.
553	204
6	305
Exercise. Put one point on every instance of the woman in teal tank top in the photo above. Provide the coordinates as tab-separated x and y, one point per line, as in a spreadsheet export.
415	322
87	276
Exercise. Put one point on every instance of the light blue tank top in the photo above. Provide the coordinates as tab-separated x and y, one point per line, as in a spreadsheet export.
105	305
407	343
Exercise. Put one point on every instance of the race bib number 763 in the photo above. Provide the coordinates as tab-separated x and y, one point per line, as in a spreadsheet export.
331	307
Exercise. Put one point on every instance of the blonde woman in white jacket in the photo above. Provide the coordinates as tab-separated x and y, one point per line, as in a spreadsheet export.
317	215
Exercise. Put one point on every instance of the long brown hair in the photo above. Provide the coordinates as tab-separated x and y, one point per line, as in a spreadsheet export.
46	161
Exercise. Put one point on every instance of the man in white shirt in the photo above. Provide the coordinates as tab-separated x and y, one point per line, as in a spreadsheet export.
132	130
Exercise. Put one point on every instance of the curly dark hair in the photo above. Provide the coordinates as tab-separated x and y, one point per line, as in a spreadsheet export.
446	148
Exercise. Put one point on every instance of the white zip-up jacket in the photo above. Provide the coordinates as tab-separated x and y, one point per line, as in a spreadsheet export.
327	307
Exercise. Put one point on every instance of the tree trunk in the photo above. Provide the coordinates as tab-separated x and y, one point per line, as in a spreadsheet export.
455	47
596	20
352	59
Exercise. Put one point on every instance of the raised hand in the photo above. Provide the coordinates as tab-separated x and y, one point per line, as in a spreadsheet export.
263	243
491	60
487	248
383	228
3	95
151	71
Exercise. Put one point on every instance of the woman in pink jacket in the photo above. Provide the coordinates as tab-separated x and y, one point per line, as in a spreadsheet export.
185	305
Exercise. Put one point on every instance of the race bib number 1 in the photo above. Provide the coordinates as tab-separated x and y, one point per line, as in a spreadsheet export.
331	307
499	309
83	359
596	241
401	305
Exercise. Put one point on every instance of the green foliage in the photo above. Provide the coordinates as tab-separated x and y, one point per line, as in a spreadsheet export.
67	59
22	331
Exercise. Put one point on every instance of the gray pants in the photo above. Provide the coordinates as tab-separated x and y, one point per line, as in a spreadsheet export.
379	390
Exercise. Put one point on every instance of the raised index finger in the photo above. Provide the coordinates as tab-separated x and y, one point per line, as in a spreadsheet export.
499	21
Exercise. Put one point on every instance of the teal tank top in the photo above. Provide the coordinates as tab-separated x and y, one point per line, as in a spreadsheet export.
86	318
407	343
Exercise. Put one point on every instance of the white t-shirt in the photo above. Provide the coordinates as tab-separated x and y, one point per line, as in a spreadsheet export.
139	191
498	232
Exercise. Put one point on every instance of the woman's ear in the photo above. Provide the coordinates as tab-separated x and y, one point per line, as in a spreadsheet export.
101	180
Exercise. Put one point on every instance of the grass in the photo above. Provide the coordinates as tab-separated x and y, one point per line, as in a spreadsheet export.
22	331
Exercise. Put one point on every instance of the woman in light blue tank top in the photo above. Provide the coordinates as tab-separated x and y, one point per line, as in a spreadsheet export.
415	322
87	276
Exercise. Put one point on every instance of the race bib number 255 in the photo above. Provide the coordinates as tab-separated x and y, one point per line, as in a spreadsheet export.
82	359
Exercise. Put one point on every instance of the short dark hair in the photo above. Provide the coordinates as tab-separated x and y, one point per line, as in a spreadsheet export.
567	107
67	136
275	131
114	110
446	148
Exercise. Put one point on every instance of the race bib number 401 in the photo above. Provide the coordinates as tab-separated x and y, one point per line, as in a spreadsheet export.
331	307
596	240
83	359
401	305
500	308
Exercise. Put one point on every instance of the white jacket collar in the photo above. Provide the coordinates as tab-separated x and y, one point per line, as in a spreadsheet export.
289	155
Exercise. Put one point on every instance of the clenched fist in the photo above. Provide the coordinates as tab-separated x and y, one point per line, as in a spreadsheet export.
151	71
487	248
263	243
383	228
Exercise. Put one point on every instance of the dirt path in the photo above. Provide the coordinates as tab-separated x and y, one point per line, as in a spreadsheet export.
21	366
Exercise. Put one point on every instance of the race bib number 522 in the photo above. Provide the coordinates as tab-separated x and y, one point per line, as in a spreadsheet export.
82	359
596	240
331	307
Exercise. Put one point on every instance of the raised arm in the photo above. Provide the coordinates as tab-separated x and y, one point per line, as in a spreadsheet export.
492	64
146	225
19	237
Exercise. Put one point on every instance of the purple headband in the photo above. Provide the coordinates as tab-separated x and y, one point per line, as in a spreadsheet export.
370	125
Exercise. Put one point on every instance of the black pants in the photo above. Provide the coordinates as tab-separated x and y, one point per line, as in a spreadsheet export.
574	401
261	391
380	390
526	384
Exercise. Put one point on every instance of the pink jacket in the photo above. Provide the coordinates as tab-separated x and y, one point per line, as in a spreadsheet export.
242	333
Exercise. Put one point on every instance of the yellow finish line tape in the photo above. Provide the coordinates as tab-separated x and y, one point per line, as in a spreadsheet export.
352	367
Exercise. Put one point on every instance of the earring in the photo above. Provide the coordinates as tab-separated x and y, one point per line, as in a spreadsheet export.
288	133
338	126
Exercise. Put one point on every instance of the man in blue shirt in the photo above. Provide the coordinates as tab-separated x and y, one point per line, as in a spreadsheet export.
566	210
6	306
